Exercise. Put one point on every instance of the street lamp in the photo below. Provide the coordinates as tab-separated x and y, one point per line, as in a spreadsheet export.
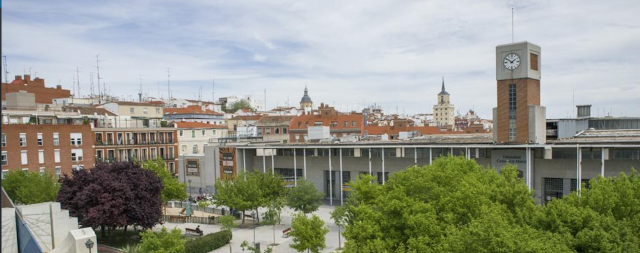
89	244
253	215
189	187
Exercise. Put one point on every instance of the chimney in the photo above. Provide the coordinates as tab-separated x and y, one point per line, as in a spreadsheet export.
27	78
59	87
584	111
18	77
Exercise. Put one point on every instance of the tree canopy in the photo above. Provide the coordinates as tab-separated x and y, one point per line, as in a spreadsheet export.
113	195
304	197
172	189
163	242
456	205
25	187
308	233
240	104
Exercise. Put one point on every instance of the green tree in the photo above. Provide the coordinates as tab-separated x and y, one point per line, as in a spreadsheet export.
272	217
227	222
173	190
163	242
25	187
339	217
304	197
308	233
240	104
238	193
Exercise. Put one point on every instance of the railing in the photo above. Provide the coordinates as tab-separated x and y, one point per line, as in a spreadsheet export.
131	143
190	219
128	159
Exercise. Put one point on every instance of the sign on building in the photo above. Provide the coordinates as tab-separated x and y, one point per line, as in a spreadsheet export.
227	162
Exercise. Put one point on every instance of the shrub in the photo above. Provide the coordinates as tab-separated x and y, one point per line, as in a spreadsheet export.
208	242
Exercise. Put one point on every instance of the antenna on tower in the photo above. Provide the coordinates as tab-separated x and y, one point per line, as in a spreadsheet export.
168	86
512	34
213	91
91	86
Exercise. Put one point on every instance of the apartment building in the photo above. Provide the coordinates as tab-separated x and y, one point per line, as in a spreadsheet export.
341	125
194	113
56	148
194	136
274	128
136	144
135	114
43	95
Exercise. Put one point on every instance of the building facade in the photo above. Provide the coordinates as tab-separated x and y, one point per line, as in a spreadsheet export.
194	113
194	136
136	114
274	128
43	95
444	111
136	144
54	148
341	125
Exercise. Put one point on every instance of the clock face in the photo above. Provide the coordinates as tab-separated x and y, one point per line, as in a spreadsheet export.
512	61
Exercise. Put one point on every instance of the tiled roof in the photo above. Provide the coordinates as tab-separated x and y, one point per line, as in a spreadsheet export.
275	119
89	110
183	124
192	109
131	103
253	117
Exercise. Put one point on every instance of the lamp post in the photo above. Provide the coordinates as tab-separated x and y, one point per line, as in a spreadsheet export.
189	187
89	244
253	215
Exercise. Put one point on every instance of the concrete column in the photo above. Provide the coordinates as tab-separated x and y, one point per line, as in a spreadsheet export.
528	169
244	160
415	156
341	193
383	179
304	162
264	160
330	184
602	163
430	156
273	161
466	153
370	161
579	169
295	169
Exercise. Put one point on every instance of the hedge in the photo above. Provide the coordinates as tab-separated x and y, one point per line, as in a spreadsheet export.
208	242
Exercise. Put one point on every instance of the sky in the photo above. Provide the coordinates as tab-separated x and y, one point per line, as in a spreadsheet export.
348	53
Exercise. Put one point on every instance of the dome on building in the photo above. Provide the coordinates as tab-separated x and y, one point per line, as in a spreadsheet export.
306	98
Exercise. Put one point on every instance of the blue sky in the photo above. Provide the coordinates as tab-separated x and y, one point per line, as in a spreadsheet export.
349	53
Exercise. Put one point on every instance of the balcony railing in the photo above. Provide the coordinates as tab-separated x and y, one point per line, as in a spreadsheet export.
130	159
131	143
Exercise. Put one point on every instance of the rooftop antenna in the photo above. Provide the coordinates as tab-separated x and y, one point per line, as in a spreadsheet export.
98	72
265	100
169	85
213	91
512	33
140	92
6	72
91	86
78	77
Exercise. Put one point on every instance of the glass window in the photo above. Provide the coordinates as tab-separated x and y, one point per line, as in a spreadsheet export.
41	156
181	131
4	158
56	139
4	173
23	140
39	139
158	110
131	110
41	170
4	140
203	132
284	130
76	139
193	133
23	156
195	149
56	155
58	171
76	155
345	123
144	110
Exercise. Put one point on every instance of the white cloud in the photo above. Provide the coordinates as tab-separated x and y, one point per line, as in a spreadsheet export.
348	53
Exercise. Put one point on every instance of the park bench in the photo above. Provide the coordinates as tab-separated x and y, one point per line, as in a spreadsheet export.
285	233
193	231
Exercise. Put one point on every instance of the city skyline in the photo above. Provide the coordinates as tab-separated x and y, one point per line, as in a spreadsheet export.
384	53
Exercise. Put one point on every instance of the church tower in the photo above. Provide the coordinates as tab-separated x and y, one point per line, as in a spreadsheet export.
443	112
519	118
306	105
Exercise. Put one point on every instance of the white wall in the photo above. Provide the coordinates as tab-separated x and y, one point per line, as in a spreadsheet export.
9	231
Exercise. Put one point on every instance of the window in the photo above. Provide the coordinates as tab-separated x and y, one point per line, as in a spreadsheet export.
268	130
203	132
153	153
181	132
184	148
534	61
4	140
386	177
299	123
277	131
58	171
56	139
334	123
39	139
76	139
284	130
98	138
214	132
512	112
171	169
76	155
109	138
41	156
77	167
99	154
317	123
23	156
41	170
170	153
345	123
4	173
4	158
193	133
23	140
144	110
131	110
56	155
353	123
195	149
170	137
158	110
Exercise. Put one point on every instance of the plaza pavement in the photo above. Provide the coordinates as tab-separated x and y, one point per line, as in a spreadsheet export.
264	234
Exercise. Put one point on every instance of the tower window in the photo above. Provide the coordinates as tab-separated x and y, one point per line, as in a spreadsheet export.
534	61
512	112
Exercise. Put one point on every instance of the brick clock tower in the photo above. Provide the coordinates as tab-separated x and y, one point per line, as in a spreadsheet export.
519	118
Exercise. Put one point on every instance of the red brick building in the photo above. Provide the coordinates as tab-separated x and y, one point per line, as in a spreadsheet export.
43	94
54	148
340	124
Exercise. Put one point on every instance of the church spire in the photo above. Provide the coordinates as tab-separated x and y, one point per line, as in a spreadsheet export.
443	83
443	92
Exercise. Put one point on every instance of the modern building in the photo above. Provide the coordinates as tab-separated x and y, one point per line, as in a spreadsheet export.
243	126
444	111
341	125
274	128
194	136
306	105
136	114
136	144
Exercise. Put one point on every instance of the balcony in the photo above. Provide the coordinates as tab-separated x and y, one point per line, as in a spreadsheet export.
129	159
131	143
